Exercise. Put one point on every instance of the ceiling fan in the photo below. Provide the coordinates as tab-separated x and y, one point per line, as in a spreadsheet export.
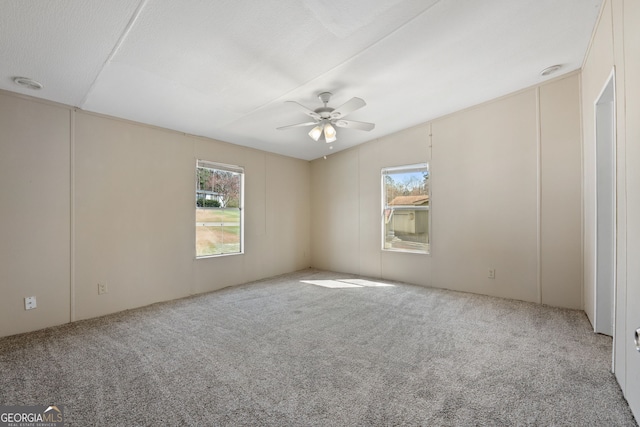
325	117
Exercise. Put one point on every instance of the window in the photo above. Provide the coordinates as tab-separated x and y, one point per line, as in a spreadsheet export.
219	214
405	208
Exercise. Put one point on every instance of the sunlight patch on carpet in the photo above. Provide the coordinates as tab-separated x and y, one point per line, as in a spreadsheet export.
346	283
367	283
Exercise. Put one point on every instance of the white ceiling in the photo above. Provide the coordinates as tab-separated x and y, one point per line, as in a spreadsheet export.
224	69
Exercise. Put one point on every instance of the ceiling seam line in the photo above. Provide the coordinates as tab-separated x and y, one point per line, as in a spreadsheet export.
115	49
371	45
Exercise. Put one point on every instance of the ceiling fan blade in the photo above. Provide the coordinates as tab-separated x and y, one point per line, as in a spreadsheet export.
307	111
299	125
348	107
352	124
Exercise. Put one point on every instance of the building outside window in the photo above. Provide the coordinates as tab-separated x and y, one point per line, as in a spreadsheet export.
406	208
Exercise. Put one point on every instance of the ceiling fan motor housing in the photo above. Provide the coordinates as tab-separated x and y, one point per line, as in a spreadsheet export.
325	112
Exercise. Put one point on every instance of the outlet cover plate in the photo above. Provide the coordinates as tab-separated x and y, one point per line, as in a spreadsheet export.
30	303
102	288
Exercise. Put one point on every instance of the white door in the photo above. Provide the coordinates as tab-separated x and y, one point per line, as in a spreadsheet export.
632	102
633	361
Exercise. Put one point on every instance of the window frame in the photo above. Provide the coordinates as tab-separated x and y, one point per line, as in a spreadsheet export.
200	163
415	167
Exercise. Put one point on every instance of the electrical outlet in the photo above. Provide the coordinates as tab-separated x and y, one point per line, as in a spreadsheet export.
102	288
492	273
29	303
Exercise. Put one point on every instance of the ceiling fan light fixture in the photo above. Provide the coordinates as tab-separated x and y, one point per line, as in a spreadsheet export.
329	133
316	132
325	119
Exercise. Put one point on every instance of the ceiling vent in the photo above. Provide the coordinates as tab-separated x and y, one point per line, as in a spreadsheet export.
550	70
28	83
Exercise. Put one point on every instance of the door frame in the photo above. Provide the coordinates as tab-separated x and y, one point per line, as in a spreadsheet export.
610	80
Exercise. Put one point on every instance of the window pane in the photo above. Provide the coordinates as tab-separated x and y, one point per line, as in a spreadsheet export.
218	210
406	208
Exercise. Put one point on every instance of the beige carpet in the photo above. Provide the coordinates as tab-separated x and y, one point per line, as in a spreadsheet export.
319	348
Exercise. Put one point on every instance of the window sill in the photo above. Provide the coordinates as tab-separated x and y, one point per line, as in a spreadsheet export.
406	251
218	255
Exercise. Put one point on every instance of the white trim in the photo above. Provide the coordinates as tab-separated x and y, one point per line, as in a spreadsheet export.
219	166
539	195
72	217
407	208
219	255
611	79
582	195
614	122
417	167
429	163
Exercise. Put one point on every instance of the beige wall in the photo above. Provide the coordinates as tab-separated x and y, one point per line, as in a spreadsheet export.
132	218
34	212
505	194
560	191
616	44
485	199
133	215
